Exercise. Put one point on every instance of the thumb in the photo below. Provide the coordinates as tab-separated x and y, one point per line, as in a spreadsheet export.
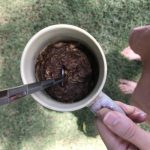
126	129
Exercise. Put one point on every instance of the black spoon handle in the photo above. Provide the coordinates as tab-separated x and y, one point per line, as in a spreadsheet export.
10	95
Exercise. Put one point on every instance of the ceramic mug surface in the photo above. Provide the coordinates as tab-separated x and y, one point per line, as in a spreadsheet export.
51	35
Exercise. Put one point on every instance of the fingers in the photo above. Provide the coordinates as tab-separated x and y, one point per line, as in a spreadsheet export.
132	147
106	134
132	112
111	140
125	128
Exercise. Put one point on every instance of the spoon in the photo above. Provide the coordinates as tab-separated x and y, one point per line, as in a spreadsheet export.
10	95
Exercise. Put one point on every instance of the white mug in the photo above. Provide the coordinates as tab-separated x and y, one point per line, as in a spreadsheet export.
96	98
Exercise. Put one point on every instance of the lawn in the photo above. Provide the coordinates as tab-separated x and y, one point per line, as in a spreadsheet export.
24	124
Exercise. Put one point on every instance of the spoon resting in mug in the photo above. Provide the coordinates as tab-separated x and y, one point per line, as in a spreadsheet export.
10	95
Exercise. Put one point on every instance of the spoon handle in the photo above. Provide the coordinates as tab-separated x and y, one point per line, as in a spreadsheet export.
10	95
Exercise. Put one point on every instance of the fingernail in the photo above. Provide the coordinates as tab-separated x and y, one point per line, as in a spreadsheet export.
143	114
111	119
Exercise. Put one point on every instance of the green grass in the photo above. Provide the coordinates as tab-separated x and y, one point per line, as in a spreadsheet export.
25	125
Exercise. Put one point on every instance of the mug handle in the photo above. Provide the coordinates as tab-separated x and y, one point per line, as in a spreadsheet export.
104	101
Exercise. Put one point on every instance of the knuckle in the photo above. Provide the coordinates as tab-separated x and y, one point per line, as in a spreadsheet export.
132	147
118	102
119	146
130	132
112	148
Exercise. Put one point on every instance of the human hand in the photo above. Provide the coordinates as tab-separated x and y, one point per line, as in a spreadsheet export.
119	132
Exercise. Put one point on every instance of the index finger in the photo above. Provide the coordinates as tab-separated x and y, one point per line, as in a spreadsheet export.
134	113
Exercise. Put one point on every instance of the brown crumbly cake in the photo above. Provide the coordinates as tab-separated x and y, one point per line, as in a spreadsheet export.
78	80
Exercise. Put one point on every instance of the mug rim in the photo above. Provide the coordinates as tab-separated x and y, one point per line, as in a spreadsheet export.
67	26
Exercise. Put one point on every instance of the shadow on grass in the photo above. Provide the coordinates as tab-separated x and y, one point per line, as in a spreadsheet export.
109	28
85	122
118	67
20	122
